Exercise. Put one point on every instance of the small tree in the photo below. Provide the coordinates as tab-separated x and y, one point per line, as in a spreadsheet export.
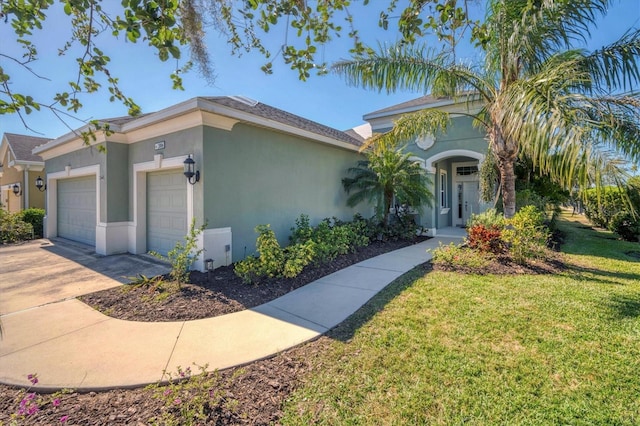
182	255
387	173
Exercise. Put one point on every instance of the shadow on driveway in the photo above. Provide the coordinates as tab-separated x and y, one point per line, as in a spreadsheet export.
44	271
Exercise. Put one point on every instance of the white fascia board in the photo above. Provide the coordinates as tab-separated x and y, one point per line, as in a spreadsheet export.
445	103
74	136
272	124
162	115
184	108
414	108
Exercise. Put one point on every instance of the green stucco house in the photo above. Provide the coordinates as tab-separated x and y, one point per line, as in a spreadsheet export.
452	160
255	164
249	164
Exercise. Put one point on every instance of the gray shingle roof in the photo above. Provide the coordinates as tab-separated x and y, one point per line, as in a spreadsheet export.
418	102
121	120
22	145
421	102
271	113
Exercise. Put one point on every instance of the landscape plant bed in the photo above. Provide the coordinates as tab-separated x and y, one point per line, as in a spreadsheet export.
219	292
251	395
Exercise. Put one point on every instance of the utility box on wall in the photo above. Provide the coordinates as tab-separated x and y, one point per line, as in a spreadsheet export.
216	244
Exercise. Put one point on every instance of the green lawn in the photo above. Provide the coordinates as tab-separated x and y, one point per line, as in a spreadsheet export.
448	348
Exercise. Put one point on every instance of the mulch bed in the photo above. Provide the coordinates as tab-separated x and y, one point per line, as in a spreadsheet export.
253	394
219	292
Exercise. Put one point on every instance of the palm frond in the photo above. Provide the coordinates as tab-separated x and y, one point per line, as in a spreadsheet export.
408	67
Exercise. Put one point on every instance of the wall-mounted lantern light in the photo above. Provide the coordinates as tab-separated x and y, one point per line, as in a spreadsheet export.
17	191
190	173
40	184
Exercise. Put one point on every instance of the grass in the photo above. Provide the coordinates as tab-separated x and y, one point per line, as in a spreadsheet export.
449	348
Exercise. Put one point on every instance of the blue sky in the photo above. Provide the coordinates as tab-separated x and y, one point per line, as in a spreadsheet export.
327	99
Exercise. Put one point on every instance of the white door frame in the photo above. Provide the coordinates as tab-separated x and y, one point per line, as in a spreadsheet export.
51	219
458	180
138	228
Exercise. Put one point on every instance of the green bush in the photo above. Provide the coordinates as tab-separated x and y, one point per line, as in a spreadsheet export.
626	225
453	256
273	261
600	207
526	235
321	244
13	229
182	255
297	257
490	218
36	218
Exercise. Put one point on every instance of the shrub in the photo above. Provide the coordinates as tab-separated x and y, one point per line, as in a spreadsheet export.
182	256
528	197
297	257
273	261
453	256
526	235
485	239
302	231
13	229
36	218
600	208
626	225
321	244
190	397
490	218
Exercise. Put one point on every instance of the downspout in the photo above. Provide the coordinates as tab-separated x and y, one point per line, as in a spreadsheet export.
25	188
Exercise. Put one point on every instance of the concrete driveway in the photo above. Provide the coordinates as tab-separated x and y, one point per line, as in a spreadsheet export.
41	272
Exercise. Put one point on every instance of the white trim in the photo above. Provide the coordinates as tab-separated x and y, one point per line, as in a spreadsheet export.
137	232
213	242
443	203
111	238
51	220
185	115
429	162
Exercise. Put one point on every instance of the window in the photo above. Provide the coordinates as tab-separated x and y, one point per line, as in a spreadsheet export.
443	190
466	170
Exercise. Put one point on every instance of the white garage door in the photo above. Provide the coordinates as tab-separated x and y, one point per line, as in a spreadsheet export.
77	209
166	210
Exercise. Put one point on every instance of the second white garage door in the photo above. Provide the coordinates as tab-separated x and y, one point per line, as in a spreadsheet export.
77	209
166	210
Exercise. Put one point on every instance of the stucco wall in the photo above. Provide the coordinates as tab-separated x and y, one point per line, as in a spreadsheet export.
176	144
255	176
84	157
117	176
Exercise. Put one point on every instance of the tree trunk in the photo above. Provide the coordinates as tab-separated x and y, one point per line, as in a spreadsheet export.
506	152
508	182
388	198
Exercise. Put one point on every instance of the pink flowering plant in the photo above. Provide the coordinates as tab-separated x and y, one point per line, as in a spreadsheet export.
31	403
189	398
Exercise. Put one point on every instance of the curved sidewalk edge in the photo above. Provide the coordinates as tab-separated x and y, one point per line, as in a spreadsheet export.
70	345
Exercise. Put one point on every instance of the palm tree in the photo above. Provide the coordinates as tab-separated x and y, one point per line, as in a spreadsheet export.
387	173
539	95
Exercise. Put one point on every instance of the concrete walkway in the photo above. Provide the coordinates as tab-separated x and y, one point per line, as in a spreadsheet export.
70	345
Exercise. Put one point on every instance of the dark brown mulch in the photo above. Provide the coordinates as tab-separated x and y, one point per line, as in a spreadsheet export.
218	292
252	395
502	265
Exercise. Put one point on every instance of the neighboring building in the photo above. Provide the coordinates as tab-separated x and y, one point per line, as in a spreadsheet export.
19	169
452	159
256	165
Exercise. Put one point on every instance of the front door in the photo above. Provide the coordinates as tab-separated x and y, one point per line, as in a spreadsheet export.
470	200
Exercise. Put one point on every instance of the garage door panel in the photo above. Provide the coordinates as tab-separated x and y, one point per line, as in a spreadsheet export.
166	210
77	209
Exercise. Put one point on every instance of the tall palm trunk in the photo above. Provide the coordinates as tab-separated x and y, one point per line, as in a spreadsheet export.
388	198
506	152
